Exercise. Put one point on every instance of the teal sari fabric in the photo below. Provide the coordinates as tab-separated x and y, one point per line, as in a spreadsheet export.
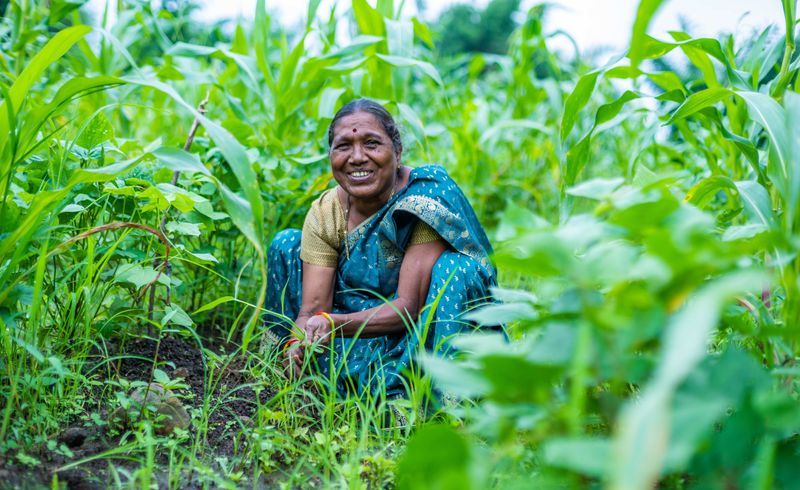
367	276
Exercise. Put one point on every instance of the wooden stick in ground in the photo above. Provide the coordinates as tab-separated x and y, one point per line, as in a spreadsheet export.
188	144
201	108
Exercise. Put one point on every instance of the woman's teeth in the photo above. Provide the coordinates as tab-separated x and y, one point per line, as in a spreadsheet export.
361	173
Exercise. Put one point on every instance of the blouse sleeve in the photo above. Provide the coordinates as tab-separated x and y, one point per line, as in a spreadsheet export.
423	233
319	244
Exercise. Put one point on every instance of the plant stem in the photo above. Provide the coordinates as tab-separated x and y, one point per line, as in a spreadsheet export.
784	75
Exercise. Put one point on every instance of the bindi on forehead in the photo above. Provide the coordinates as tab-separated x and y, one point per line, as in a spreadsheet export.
355	130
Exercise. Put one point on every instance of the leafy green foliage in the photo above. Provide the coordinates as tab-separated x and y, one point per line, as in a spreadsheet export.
465	29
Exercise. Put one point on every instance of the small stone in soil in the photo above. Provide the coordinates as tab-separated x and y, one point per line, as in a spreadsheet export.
181	372
172	414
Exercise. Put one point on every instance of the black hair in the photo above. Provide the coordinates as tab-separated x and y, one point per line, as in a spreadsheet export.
378	111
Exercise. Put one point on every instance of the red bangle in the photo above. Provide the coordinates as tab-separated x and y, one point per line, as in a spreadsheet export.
290	343
328	317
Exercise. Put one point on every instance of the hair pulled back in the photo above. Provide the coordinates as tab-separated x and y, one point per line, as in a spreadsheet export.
377	111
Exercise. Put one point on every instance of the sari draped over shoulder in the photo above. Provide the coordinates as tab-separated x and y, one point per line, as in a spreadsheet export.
367	276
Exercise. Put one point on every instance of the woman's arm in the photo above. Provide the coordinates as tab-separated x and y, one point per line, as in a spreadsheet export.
317	295
413	284
317	291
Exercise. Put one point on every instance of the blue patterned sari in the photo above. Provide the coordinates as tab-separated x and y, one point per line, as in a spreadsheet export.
367	276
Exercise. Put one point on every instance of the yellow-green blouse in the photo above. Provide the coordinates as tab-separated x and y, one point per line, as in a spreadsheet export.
326	227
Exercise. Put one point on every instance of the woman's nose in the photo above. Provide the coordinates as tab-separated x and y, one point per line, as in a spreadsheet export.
357	155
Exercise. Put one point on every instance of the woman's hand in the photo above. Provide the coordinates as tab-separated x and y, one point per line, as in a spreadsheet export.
317	329
294	359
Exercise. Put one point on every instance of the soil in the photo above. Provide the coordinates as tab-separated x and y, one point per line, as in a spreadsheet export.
233	399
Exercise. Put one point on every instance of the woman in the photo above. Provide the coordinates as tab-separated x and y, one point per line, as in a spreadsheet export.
373	251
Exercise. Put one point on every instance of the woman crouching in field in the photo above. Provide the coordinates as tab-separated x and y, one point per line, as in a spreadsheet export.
388	240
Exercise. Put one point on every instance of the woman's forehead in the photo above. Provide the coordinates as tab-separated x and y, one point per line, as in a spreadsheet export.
358	122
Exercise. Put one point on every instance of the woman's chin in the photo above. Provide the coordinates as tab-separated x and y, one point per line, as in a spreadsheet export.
363	193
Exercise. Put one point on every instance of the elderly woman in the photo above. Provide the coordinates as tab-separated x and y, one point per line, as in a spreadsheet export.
373	252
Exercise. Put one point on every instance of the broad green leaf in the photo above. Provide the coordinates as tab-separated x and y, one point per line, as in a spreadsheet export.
577	157
102	174
139	276
245	63
704	191
175	314
505	295
328	102
743	232
576	101
60	8
356	45
55	48
584	455
496	314
426	67
49	54
598	188
246	213
607	112
699	101
422	32
400	37
183	228
641	441
308	160
413	120
311	12
436	457
213	304
205	257
653	48
745	146
500	129
453	378
536	254
261	37
288	70
756	202
72	208
179	160
791	196
72	89
698	58
206	209
369	20
97	131
347	65
644	15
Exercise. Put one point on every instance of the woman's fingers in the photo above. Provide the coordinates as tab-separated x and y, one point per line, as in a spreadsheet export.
294	360
318	328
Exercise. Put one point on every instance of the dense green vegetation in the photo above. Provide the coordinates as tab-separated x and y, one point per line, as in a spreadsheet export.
646	223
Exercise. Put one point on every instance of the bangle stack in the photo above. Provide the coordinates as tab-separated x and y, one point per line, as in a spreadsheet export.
290	343
327	317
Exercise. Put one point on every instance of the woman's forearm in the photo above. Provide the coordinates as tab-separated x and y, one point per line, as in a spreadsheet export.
385	319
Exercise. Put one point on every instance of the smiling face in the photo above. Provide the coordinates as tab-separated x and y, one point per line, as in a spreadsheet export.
363	159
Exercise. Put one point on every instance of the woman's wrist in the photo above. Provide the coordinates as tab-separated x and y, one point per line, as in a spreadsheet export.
328	317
